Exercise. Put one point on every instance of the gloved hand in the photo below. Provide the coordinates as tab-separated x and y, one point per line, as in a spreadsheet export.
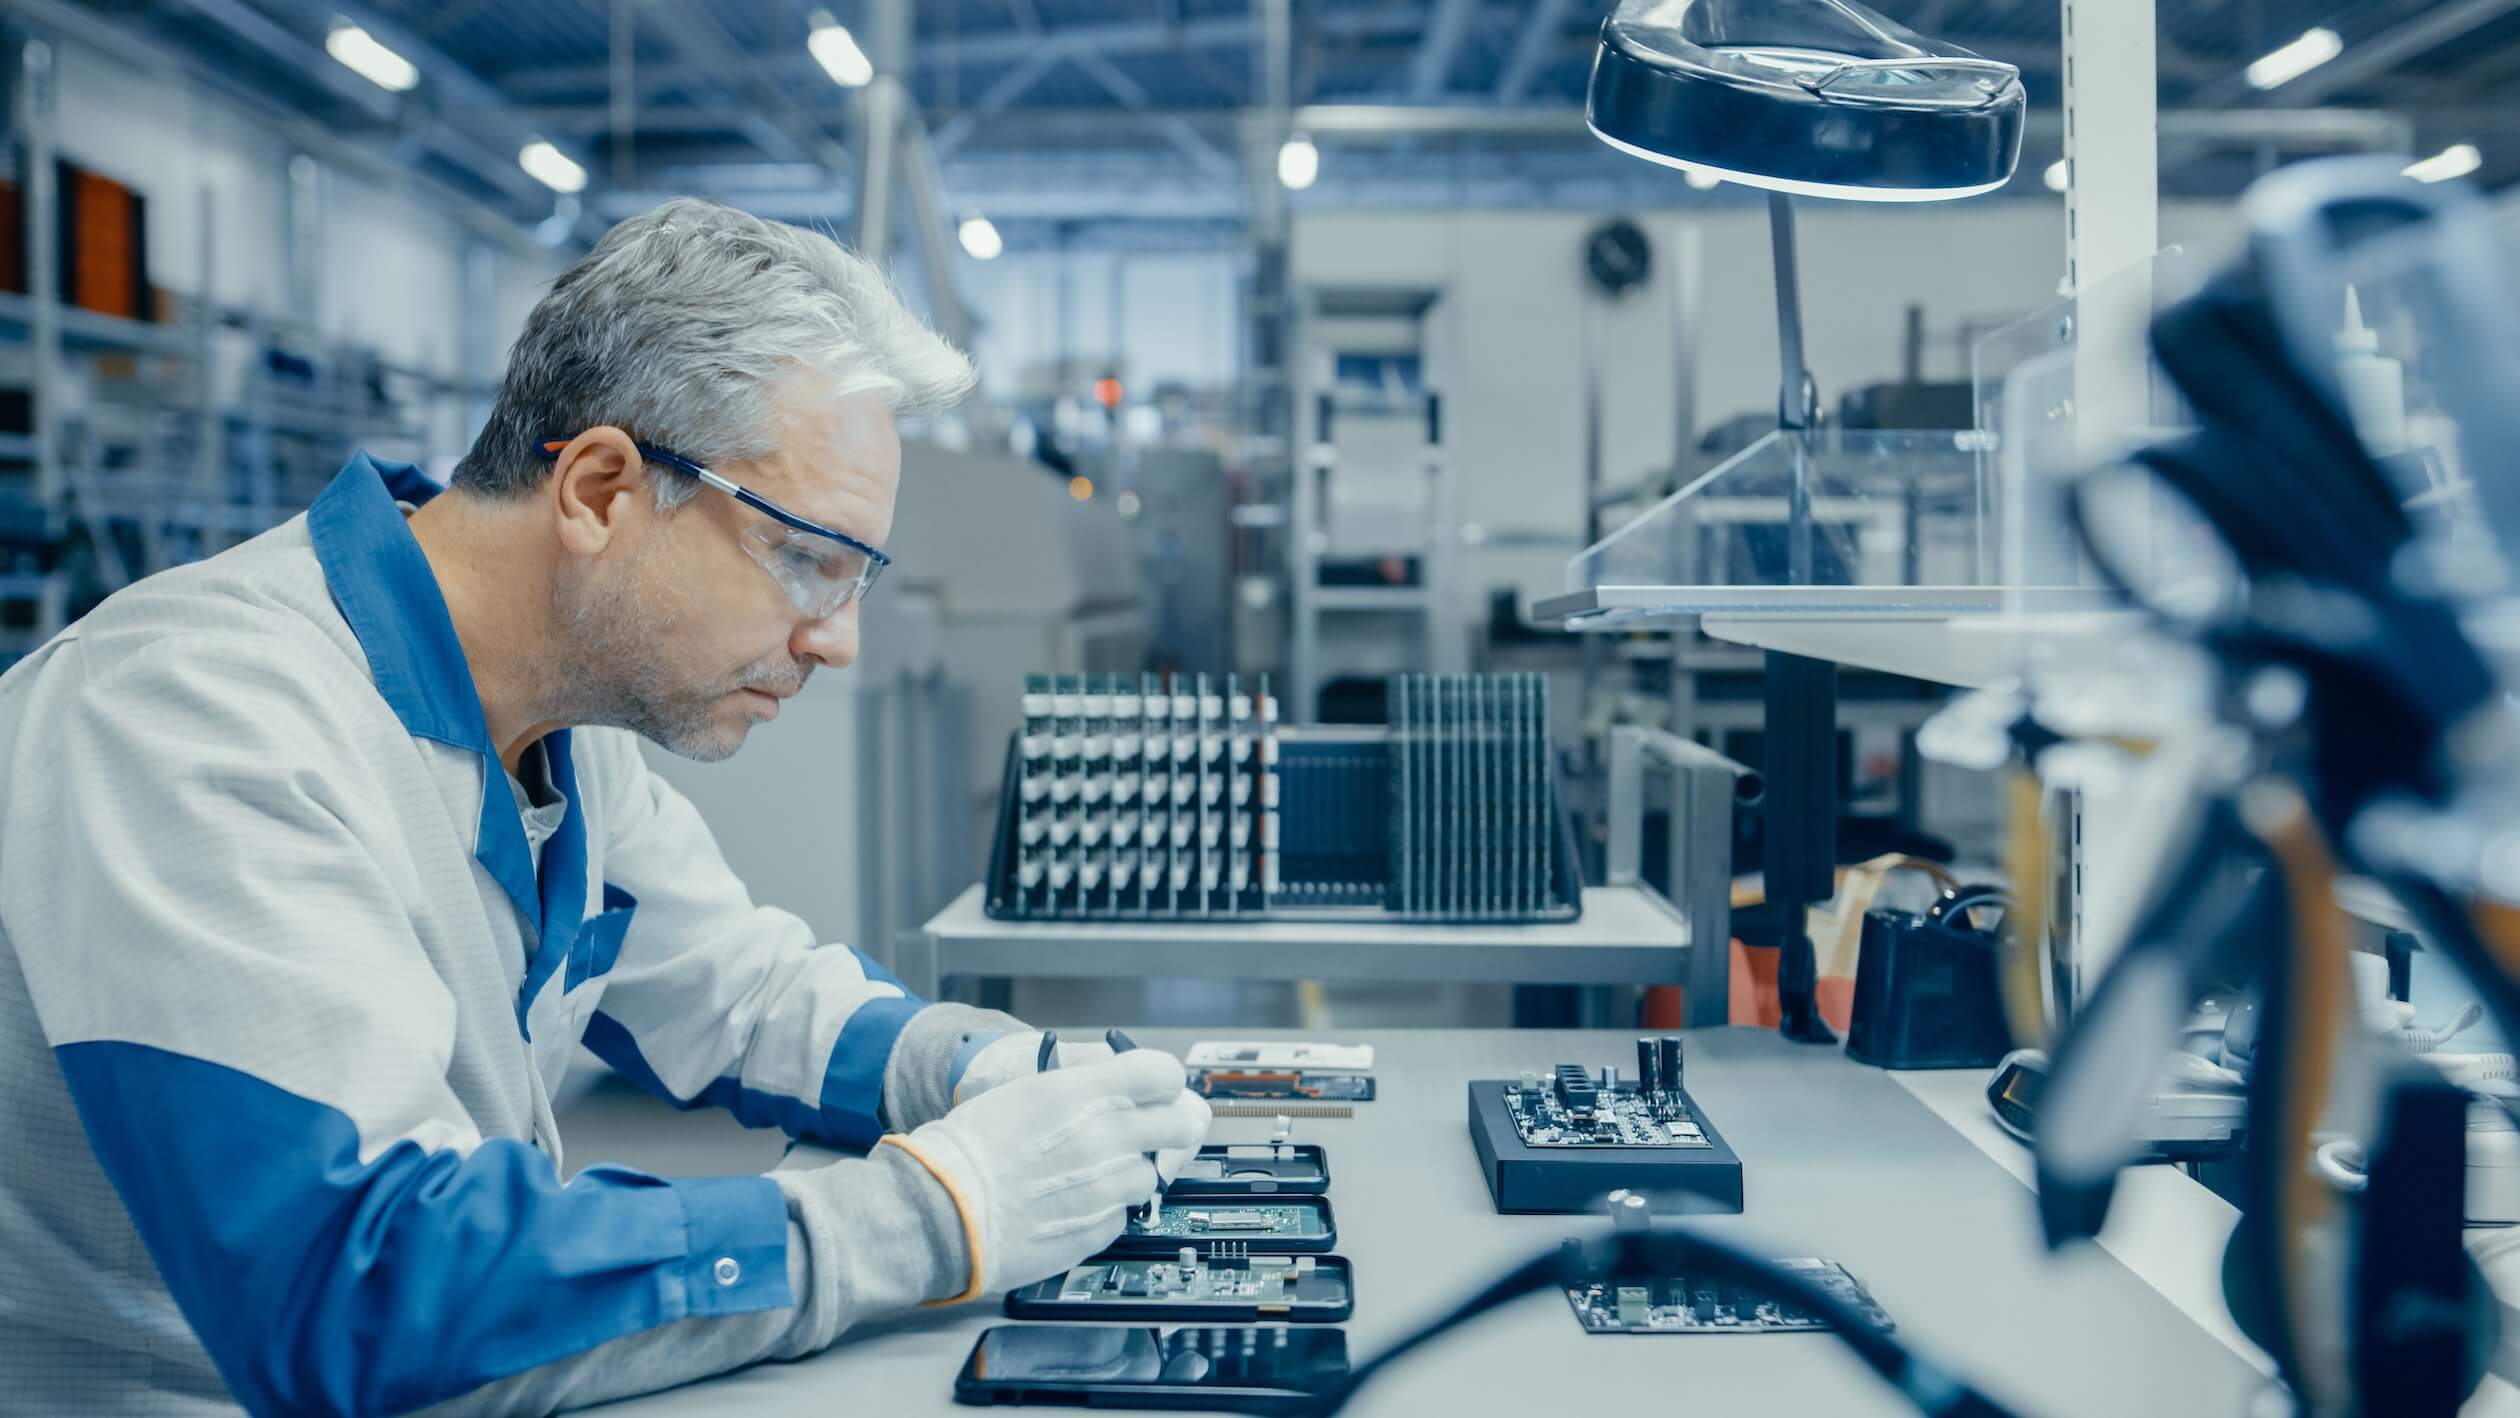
1018	1055
1044	1168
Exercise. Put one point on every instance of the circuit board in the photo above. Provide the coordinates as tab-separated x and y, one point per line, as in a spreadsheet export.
1200	1223
1570	1110
1684	1304
1295	1084
1264	1280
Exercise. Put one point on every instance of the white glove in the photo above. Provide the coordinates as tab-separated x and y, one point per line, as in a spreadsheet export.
1015	1056
1018	1055
1044	1168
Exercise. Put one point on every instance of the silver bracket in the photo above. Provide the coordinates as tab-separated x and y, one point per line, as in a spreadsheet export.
1705	788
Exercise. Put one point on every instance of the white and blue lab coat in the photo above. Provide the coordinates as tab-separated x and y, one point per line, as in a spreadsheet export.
285	995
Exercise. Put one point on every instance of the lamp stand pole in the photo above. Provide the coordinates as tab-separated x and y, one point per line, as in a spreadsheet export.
1799	861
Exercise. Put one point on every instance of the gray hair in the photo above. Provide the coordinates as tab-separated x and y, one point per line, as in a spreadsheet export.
678	327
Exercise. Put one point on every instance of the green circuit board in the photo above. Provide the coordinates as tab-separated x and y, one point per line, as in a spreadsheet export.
1210	1221
1682	1304
1255	1280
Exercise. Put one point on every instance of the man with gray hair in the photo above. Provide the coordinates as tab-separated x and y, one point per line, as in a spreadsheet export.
319	860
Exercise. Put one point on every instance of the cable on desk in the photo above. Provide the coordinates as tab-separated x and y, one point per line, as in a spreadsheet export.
1930	1387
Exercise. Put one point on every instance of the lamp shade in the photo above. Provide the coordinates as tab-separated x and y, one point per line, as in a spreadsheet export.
1820	98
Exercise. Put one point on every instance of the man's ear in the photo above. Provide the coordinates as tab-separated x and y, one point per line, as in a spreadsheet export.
592	483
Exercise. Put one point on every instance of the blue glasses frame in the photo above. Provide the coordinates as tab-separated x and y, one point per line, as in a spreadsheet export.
877	558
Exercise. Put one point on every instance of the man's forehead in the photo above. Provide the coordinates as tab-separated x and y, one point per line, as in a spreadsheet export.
839	455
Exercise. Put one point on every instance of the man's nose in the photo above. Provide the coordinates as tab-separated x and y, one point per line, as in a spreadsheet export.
831	640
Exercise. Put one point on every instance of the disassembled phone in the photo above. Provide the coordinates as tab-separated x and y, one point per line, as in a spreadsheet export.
1683	1304
1252	1169
1290	1225
1280	1054
1243	1369
1227	1284
1293	1085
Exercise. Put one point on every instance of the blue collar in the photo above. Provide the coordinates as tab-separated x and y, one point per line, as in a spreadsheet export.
387	592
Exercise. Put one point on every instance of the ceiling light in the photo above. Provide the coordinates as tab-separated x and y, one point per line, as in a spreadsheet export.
1701	179
980	238
2314	48
550	167
1299	162
2057	175
359	52
836	50
2457	160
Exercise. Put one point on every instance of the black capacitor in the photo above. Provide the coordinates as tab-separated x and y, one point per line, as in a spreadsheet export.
1629	1213
1648	1068
1670	1044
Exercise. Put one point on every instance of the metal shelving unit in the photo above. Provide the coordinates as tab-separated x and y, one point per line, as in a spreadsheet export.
1323	403
132	461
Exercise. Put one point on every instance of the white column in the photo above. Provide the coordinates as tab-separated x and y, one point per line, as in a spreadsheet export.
2112	227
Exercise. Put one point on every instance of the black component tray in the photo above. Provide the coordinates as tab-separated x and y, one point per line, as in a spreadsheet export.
1561	1180
1335	852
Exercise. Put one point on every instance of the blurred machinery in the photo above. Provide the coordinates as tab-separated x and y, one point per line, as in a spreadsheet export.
1371	521
1177	504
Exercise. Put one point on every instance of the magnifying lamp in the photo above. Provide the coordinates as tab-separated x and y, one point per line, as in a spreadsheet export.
1815	98
1812	98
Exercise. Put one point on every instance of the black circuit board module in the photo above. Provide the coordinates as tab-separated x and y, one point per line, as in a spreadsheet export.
1229	1169
1570	1109
1682	1304
1207	1221
1263	1280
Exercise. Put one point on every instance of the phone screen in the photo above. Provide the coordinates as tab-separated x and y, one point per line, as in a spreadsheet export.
1053	1361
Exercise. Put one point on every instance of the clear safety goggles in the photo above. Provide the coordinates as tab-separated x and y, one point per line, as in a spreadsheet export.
821	569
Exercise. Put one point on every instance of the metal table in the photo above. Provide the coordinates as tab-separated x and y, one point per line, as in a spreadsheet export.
1627	935
1842	1161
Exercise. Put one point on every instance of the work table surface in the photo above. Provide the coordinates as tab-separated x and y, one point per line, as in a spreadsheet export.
1840	1161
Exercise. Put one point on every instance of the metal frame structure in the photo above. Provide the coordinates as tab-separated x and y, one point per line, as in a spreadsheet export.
1442	649
117	489
1705	789
1051	117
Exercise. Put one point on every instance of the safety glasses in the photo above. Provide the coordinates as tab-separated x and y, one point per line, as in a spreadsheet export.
821	569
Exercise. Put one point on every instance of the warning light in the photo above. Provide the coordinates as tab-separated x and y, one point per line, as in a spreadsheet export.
1107	392
1080	487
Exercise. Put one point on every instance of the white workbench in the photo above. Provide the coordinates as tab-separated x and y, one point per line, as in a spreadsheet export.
1860	1166
1625	936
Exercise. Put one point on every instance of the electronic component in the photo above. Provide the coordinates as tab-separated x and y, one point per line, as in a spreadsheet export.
1231	1108
1294	1225
1280	1054
1131	798
1228	1284
1252	1083
1251	1169
1684	1304
1574	1111
1561	1144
